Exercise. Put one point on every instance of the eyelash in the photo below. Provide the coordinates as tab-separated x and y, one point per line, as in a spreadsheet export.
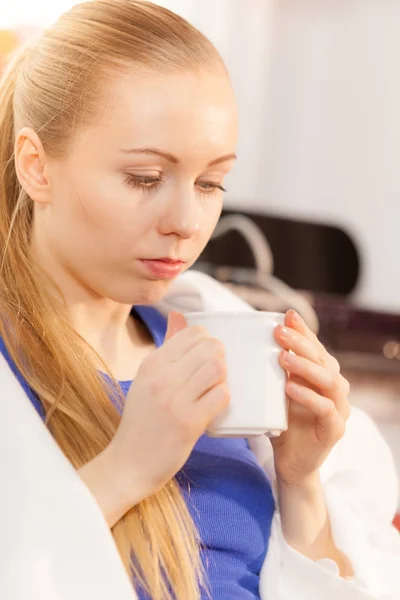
151	184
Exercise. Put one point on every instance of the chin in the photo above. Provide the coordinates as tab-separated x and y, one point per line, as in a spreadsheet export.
152	292
144	292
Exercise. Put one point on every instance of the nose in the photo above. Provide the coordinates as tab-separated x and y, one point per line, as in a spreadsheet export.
181	216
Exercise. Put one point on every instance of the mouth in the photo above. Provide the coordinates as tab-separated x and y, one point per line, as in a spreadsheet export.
168	260
162	268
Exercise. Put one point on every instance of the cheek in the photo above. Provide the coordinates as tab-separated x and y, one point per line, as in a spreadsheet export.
210	216
101	211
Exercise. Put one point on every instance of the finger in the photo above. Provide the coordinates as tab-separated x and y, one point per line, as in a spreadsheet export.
303	382
342	404
202	367
331	423
180	341
295	322
320	406
289	339
176	322
190	369
212	404
330	384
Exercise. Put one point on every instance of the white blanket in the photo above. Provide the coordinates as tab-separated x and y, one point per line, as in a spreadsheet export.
55	543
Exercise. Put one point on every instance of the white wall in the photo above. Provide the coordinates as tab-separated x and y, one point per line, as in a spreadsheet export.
334	122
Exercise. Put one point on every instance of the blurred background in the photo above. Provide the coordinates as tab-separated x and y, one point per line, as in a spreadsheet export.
312	212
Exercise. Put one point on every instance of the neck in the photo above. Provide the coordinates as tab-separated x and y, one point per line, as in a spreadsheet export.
104	324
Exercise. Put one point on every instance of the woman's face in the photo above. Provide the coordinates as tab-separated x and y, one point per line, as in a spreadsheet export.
144	182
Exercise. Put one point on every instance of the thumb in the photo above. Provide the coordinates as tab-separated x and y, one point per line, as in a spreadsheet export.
176	322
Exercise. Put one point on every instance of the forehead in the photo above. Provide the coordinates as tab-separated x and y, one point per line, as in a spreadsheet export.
178	112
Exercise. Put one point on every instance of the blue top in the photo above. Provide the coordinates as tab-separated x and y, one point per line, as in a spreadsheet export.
228	495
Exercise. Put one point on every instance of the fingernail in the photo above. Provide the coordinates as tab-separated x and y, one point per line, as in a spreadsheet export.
287	358
297	318
284	333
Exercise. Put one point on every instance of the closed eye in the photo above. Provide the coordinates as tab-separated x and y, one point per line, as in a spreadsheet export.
209	187
151	184
143	182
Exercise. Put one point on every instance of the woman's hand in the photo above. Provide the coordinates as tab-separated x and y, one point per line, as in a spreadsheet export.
318	403
318	411
179	389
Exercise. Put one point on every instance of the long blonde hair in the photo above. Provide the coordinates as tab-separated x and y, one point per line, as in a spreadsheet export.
52	86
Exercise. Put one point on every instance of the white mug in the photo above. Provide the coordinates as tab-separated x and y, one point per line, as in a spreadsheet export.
256	380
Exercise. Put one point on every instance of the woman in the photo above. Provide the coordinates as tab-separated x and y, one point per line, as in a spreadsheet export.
118	127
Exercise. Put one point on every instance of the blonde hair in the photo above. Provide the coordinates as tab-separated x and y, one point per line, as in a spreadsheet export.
52	87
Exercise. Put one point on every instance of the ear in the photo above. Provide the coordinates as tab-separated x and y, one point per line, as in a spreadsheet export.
31	165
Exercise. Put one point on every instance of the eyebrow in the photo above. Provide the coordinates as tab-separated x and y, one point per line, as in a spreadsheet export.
173	159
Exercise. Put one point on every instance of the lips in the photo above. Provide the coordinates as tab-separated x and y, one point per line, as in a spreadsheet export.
162	268
168	260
